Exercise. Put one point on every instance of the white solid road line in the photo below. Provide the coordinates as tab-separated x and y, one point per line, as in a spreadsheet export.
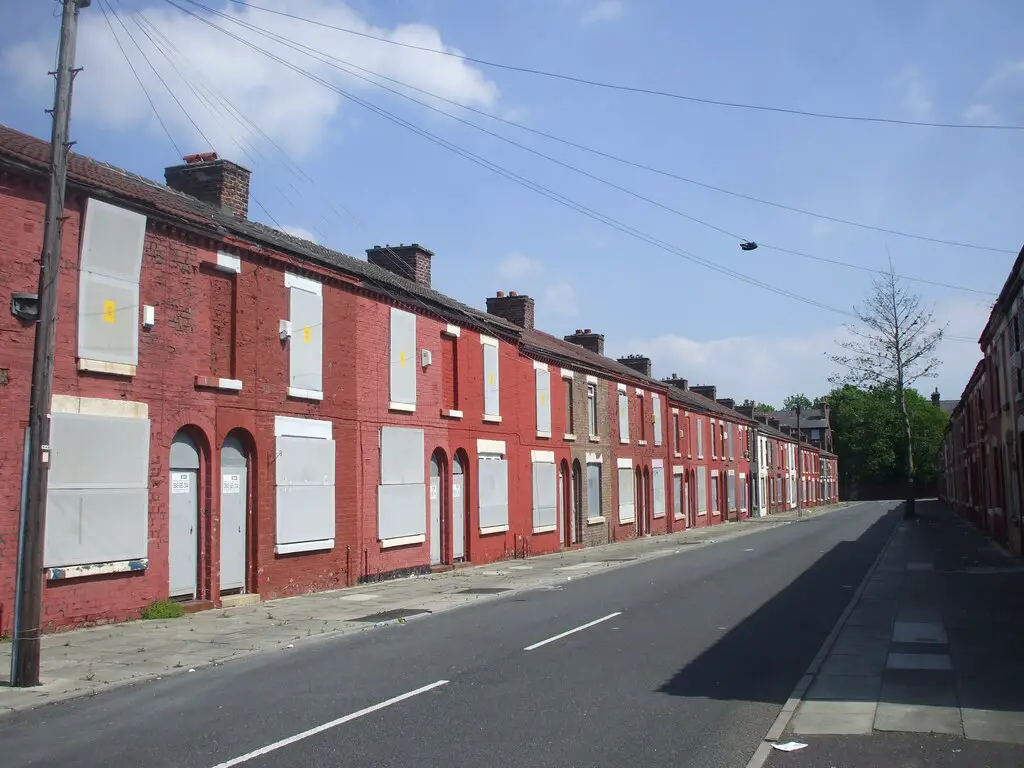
327	726
573	631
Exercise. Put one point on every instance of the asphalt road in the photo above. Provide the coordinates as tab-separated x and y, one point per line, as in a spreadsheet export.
704	650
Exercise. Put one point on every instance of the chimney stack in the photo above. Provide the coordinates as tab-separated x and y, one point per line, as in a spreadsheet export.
638	363
220	183
675	381
936	397
409	261
773	423
707	390
514	308
746	410
588	340
728	402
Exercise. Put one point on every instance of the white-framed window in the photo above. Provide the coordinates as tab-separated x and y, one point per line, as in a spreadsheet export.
700	438
594	492
592	409
642	417
492	486
743	492
492	383
627	507
403	360
714	439
729	432
658	494
545	492
305	346
714	492
675	433
731	489
304	473
702	490
542	380
402	493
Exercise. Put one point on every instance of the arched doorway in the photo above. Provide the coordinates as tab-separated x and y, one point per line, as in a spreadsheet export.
234	514
564	501
638	483
459	522
647	502
691	493
438	469
183	522
577	501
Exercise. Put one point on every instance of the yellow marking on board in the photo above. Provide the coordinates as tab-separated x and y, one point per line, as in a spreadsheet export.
109	312
307	334
490	379
542	399
401	358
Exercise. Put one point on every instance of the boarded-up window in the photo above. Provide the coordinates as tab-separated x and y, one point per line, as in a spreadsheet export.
743	493
305	485
714	493
544	497
220	291
702	490
491	383
542	379
658	479
592	409
493	472
642	418
732	490
306	346
593	491
656	412
675	433
403	357
678	499
623	417
97	502
108	284
568	407
402	494
729	434
450	365
626	501
700	438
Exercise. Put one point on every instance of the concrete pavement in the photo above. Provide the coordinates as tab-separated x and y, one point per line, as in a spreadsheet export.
84	662
659	663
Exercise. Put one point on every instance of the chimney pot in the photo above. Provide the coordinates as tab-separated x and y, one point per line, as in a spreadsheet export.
588	340
513	293
638	363
501	294
587	330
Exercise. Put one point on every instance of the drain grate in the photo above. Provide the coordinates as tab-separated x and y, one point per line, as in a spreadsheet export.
482	590
394	613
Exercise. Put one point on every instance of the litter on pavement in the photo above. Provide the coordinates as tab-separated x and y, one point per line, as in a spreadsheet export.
789	746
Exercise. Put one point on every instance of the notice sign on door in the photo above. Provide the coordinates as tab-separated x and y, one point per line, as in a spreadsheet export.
456	491
232	484
433	492
180	482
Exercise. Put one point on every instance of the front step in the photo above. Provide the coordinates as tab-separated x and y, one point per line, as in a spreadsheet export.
195	606
238	601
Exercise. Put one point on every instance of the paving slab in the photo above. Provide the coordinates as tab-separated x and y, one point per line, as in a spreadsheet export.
993	725
919	632
918	718
834	717
844	688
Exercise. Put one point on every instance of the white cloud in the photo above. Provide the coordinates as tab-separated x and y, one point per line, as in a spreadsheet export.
981	114
916	95
605	10
305	234
288	107
518	265
1006	75
560	299
768	369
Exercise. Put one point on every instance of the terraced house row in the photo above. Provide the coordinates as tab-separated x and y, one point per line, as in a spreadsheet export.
981	459
239	413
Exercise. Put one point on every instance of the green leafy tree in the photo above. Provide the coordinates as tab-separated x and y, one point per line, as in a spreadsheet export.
762	407
793	401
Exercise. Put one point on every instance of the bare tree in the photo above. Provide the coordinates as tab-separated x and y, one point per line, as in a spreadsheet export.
894	346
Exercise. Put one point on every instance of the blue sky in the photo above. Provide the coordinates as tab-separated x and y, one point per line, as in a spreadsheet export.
376	182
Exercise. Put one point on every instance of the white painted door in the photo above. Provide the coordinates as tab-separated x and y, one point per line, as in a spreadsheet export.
435	511
233	513
458	510
183	537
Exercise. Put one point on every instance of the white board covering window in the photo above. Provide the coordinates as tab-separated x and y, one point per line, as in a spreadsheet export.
545	517
702	490
729	432
305	349
543	382
492	470
715	483
593	491
402	493
700	438
491	382
658	479
108	285
623	417
97	502
403	357
731	490
304	476
626	503
592	409
656	409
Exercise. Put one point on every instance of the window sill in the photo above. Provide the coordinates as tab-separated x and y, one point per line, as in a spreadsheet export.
214	382
492	419
702	514
658	515
404	407
569	437
626	520
321	545
677	516
543	435
546	529
623	441
402	541
96	569
305	394
493	529
716	514
678	455
101	366
595	520
595	439
641	442
451	414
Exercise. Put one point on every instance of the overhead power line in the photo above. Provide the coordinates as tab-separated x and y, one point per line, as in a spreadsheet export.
633	89
342	65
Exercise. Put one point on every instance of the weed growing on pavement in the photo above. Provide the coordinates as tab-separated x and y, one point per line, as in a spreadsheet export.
163	609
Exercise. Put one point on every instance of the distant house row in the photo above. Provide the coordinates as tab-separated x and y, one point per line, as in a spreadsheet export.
981	460
242	414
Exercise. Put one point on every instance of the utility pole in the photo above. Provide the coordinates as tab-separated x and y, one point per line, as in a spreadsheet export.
799	463
28	618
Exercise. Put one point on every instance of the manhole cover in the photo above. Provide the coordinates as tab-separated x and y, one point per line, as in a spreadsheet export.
395	613
482	590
